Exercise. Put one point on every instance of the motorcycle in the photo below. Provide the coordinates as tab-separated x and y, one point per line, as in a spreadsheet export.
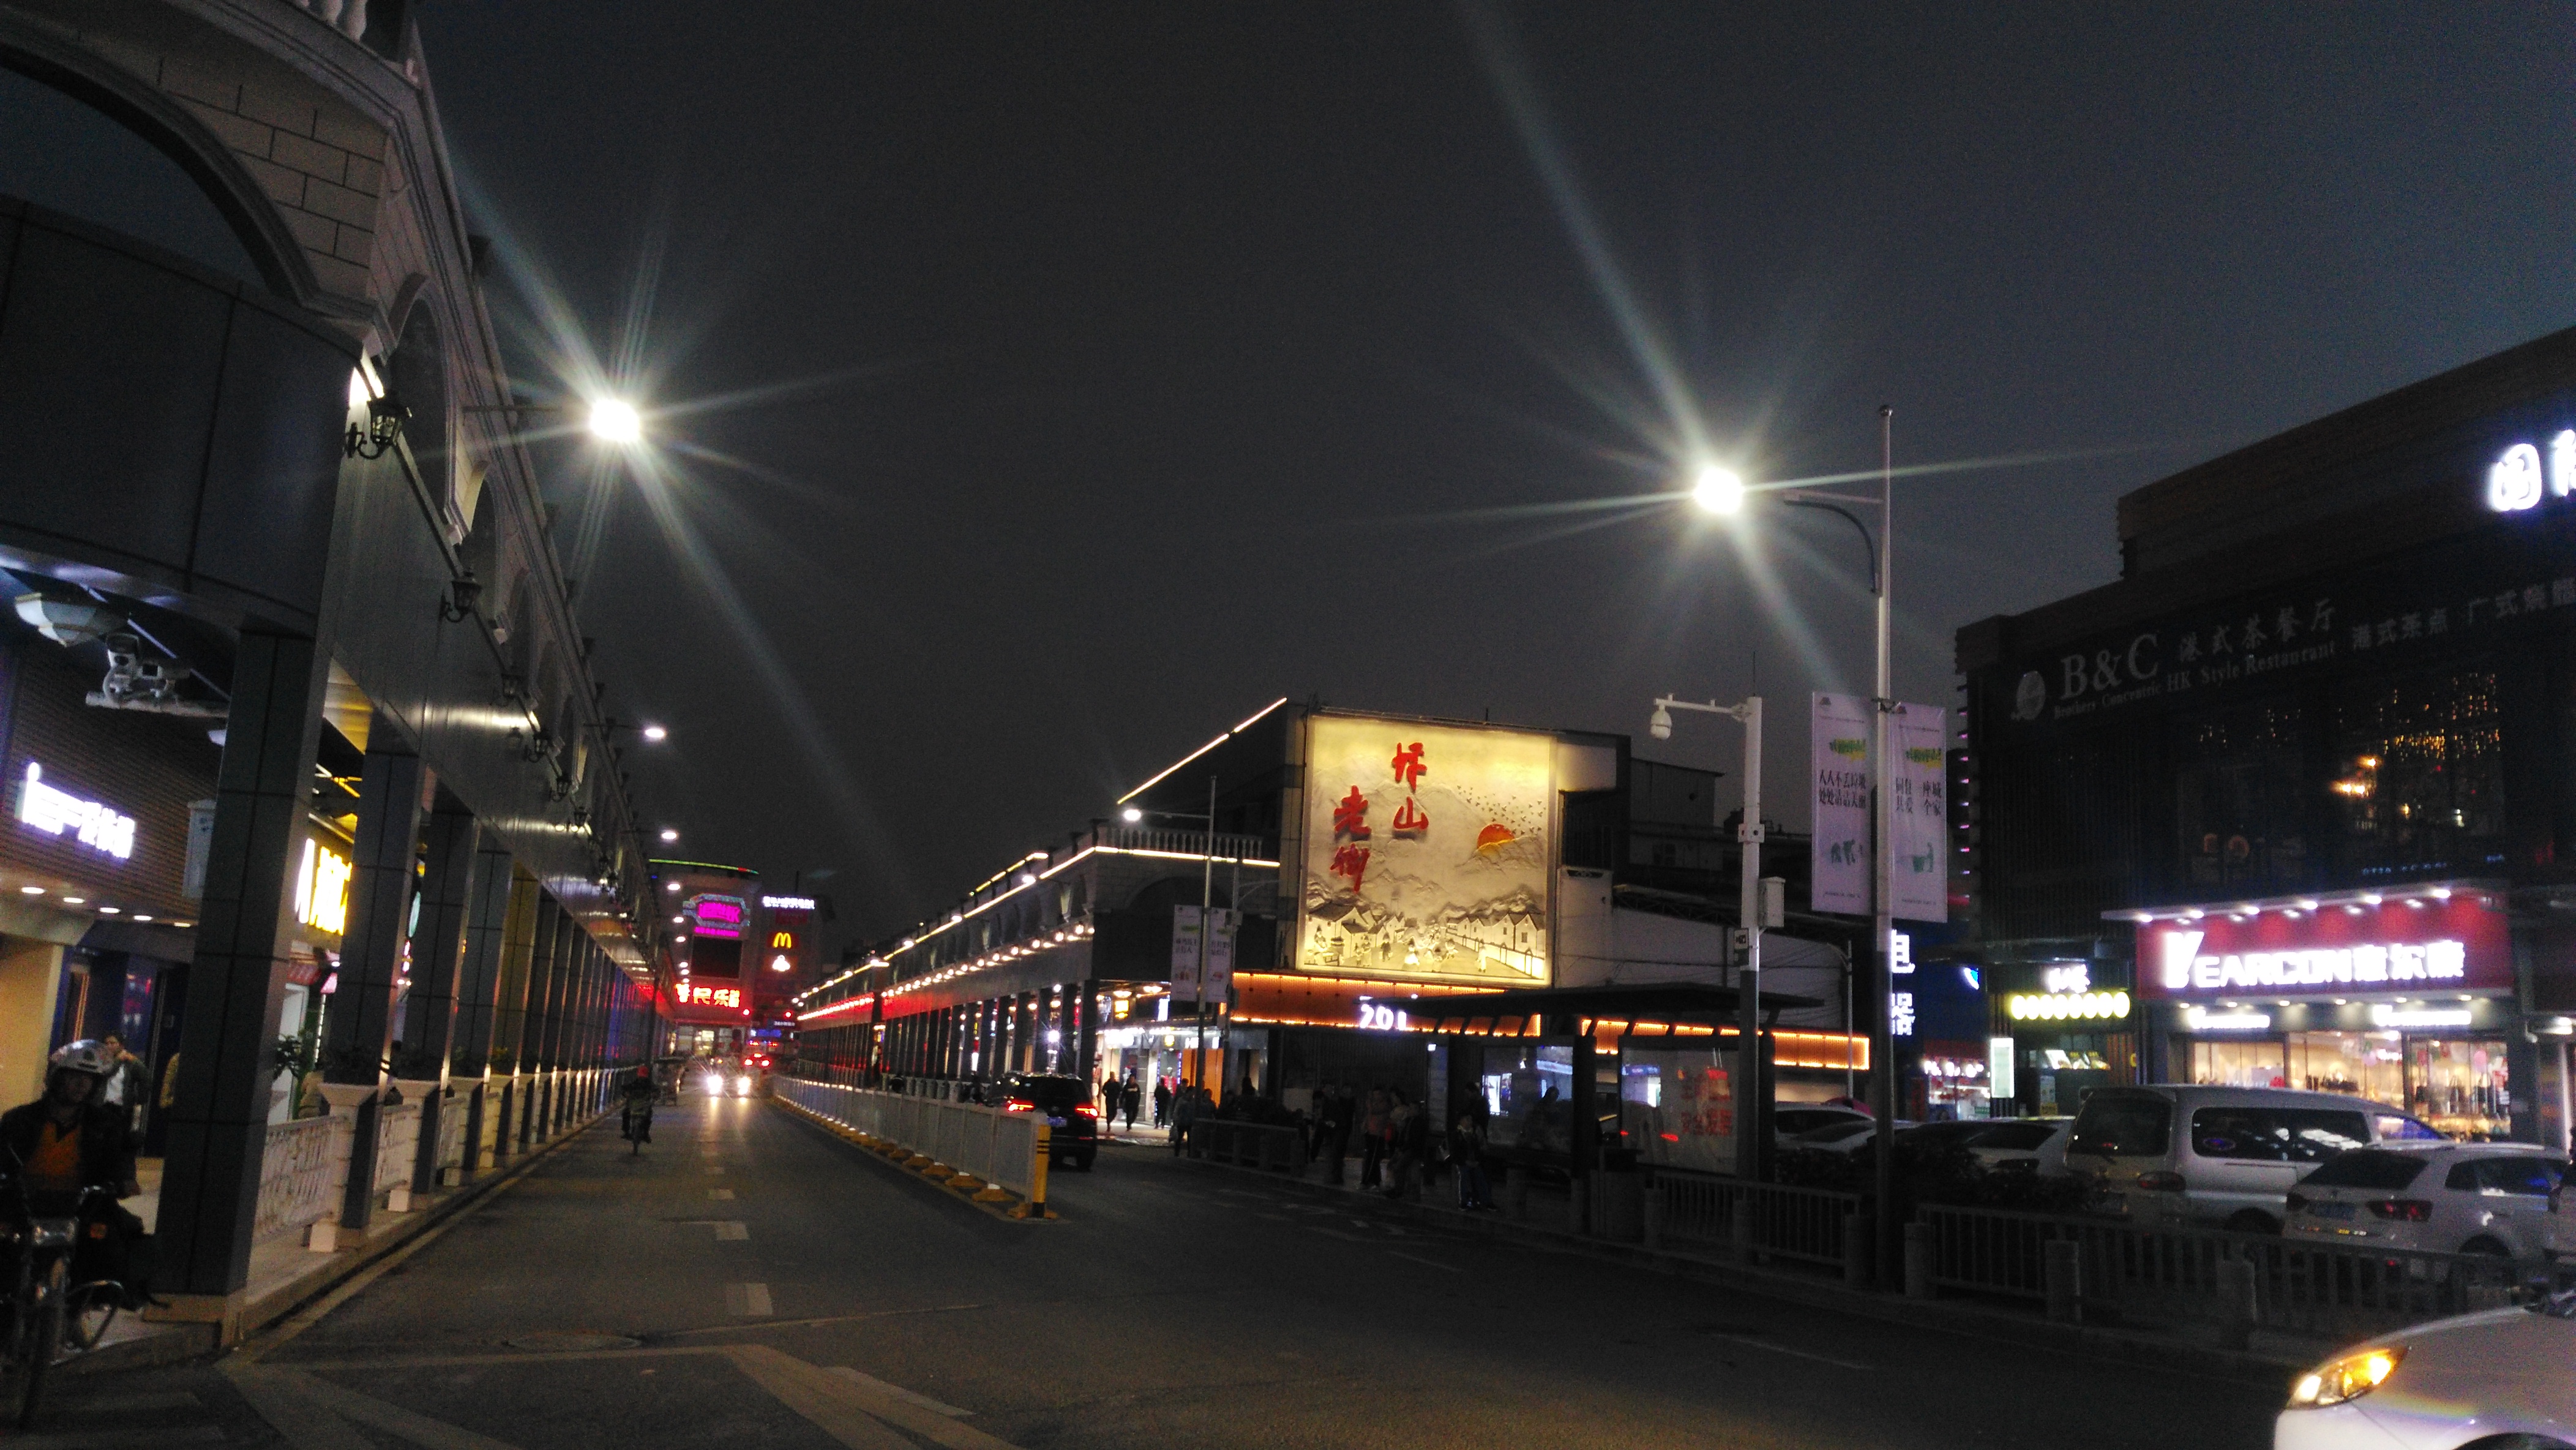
40	1233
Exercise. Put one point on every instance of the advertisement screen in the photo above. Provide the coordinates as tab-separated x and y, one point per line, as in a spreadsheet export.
713	958
1427	851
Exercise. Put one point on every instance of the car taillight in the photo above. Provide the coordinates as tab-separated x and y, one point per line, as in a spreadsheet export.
1086	1111
2402	1210
1017	1105
2297	1202
2161	1182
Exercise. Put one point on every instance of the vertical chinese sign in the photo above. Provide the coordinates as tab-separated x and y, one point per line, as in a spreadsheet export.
1427	851
1918	875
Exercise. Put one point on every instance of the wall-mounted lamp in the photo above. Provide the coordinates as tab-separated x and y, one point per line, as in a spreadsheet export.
463	593
385	419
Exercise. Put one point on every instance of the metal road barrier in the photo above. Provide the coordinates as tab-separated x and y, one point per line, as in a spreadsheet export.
1251	1145
991	1144
295	1173
2141	1273
1753	1220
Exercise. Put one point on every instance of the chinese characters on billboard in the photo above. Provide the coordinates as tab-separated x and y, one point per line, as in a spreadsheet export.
695	994
1427	851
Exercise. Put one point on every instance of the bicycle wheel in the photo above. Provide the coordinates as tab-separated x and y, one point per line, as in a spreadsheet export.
42	1340
91	1310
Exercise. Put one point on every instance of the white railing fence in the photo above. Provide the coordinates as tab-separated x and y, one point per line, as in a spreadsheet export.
295	1173
994	1145
451	1131
397	1146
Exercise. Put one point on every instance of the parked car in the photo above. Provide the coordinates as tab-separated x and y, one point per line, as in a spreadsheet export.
1073	1123
2023	1145
1850	1137
2504	1377
1791	1121
2219	1156
2453	1198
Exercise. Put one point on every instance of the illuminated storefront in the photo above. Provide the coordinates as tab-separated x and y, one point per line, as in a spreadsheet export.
2404	996
2059	1030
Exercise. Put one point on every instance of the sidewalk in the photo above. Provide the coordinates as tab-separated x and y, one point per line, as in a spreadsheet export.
284	1274
1543	1225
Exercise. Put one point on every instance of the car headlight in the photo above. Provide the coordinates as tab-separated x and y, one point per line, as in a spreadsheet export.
2348	1378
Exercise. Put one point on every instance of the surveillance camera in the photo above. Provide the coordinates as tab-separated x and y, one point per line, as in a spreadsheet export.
1660	725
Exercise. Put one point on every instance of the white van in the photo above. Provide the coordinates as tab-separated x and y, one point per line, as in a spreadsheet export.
2219	1157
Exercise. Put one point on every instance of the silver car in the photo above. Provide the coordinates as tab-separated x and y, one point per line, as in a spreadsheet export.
2219	1156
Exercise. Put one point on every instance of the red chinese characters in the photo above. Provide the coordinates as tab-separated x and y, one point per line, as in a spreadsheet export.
1350	816
1351	861
1409	818
1409	769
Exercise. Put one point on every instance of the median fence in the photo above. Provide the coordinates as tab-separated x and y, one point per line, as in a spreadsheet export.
996	1152
2114	1271
1248	1145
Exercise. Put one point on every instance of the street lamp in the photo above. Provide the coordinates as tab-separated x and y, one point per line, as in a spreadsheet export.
1207	892
1752	918
1712	491
610	420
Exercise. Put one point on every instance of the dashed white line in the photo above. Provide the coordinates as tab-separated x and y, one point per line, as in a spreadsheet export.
1417	1258
747	1301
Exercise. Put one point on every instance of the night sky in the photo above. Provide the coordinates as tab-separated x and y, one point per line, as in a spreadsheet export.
1050	387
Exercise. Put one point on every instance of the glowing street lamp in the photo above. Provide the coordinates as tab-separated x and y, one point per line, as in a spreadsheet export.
669	835
1719	490
614	420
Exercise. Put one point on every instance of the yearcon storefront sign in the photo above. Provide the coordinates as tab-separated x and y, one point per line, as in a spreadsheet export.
2455	941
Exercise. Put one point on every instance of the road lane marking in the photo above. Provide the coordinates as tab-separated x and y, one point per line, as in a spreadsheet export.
935	1407
828	1319
747	1301
732	1230
834	1402
1751	1343
1417	1258
720	1193
715	1169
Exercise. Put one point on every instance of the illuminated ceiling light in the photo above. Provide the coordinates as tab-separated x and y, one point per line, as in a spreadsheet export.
32	890
657	735
669	835
2372	897
142	916
1718	490
2441	893
1131	815
2191	915
75	900
670	885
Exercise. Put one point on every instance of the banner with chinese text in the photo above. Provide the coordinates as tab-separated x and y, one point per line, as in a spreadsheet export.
1839	852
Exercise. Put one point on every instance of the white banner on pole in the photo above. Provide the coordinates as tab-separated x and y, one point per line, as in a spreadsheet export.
1220	954
1839	862
1838	856
1185	954
1919	876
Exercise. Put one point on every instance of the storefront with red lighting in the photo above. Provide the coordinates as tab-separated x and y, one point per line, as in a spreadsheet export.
2404	996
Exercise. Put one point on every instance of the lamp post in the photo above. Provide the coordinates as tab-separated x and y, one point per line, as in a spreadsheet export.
610	420
1721	491
1752	918
1207	890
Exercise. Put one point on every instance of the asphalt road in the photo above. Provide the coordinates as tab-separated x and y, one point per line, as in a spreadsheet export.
784	1289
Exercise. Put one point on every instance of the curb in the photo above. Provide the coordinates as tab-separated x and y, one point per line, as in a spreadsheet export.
184	1339
999	1202
1954	1316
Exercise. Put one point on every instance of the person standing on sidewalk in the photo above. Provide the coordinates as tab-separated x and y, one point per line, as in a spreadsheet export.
1408	1138
1467	1148
1130	1098
1373	1139
1337	1132
1162	1103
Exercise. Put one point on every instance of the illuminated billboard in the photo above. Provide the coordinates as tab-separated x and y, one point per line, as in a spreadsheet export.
719	916
1426	851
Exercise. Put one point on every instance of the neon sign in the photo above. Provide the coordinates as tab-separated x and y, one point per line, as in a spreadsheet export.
2066	1006
52	811
322	889
690	995
2515	482
788	903
718	916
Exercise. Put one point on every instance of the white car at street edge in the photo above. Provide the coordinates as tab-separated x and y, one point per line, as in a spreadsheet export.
2450	1198
2501	1378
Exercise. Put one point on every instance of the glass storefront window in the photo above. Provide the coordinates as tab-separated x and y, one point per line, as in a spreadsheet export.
1529	1098
1678	1107
2460	1086
2365	1064
2257	1063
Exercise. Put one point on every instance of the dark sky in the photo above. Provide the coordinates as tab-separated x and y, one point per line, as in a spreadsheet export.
1144	363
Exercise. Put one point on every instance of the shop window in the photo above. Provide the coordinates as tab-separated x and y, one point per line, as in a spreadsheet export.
2238	1064
2419	782
2365	1064
2238	808
2459	1086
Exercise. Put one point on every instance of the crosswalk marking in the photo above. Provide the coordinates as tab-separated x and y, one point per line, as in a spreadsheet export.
732	1230
747	1301
719	1193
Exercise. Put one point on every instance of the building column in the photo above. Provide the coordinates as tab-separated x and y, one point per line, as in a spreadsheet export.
360	1029
510	1009
218	1118
478	984
429	1012
532	1026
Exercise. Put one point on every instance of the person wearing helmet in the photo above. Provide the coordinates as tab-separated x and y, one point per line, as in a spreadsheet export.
68	1139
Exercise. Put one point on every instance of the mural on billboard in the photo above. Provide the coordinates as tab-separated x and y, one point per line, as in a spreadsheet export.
1427	851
